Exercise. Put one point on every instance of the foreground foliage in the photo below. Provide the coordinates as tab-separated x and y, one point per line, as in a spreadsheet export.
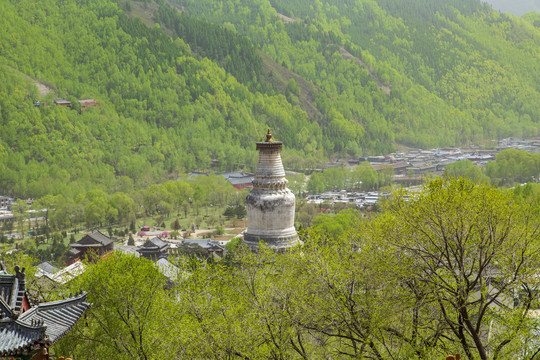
452	269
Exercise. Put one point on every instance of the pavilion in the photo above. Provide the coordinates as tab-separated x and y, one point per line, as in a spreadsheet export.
27	331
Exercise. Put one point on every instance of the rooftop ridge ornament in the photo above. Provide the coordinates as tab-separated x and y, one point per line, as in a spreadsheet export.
270	205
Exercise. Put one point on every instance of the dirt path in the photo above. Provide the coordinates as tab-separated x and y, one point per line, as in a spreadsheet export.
42	88
347	55
285	18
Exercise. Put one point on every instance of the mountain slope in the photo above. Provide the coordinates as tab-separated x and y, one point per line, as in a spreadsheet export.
460	72
367	74
160	110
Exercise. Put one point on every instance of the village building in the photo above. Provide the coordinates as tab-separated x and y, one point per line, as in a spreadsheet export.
46	268
127	249
153	249
239	180
86	103
92	246
6	216
400	167
270	205
49	280
26	331
62	102
6	202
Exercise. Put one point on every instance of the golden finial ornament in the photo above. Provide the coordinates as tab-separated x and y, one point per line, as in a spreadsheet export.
268	136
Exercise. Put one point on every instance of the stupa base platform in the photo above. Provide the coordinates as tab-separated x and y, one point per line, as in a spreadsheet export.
272	242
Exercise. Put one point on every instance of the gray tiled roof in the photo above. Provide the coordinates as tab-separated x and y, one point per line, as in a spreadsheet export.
167	269
97	236
100	237
237	178
58	316
244	180
47	267
127	249
154	243
73	252
41	325
17	336
204	243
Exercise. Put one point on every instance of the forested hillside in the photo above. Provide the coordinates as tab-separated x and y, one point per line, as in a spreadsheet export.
196	85
459	72
160	109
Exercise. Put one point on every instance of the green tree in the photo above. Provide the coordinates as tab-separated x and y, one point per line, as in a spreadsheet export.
240	212
229	212
297	183
127	314
335	226
19	208
125	207
176	225
467	169
468	250
131	241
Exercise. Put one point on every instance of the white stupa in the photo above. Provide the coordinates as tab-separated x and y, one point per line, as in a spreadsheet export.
270	205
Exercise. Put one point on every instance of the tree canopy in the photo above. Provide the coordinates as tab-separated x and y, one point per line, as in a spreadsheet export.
451	269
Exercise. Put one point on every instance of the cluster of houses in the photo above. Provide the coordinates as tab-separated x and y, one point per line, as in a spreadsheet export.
97	245
62	102
5	208
6	213
359	199
420	162
416	163
410	168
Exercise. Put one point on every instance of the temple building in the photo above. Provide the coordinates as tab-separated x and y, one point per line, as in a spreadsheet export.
270	205
92	246
26	331
154	249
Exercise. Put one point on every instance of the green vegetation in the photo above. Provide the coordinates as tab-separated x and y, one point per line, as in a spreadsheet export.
514	166
465	168
443	73
345	223
234	52
160	110
199	201
435	273
195	89
135	308
96	208
361	177
510	167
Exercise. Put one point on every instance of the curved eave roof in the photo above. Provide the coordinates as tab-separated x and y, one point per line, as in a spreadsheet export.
57	316
18	336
